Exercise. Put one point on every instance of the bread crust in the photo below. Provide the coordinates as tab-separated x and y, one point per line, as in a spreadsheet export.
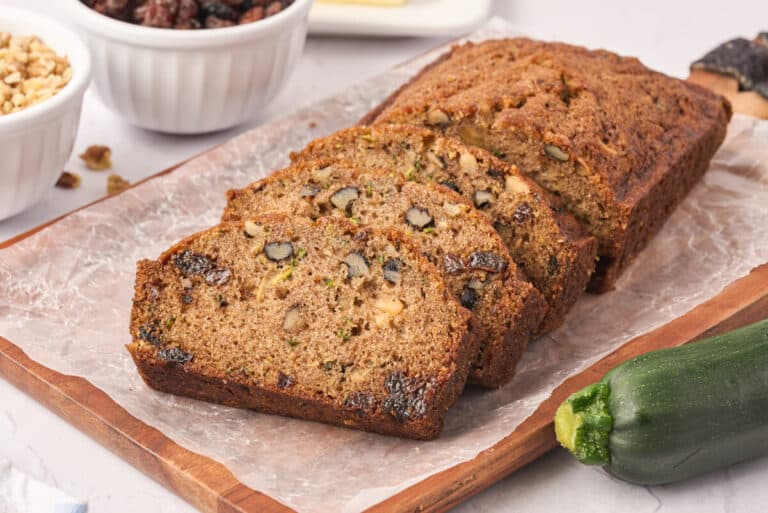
521	308
640	186
231	390
650	206
172	378
563	236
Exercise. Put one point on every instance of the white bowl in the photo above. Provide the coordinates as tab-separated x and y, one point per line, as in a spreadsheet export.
36	142
191	81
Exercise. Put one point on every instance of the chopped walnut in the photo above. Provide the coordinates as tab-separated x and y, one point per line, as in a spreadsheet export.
30	72
116	183
97	158
68	180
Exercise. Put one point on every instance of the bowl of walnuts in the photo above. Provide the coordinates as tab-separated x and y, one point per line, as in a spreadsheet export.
44	72
191	66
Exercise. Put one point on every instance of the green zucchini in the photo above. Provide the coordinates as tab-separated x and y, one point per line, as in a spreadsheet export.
675	413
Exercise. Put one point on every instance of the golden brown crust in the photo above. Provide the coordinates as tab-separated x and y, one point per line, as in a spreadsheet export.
651	205
172	378
600	130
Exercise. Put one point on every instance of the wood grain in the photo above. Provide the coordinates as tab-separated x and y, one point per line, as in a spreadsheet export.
211	488
743	302
206	484
202	482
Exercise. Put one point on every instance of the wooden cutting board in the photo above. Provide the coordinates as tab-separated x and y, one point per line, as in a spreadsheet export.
210	487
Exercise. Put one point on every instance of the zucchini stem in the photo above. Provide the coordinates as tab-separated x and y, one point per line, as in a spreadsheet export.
583	424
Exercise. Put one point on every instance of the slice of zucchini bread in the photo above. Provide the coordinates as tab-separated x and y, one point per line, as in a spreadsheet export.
621	144
546	242
267	315
473	260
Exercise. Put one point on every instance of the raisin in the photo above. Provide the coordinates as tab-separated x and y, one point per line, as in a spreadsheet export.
361	402
451	186
468	298
175	355
495	173
157	13
251	15
188	10
283	380
192	24
119	9
148	332
553	264
486	261
274	8
218	9
213	22
191	264
522	213
406	397
188	14
452	263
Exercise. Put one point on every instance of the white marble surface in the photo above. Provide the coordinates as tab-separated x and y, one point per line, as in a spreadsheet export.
665	35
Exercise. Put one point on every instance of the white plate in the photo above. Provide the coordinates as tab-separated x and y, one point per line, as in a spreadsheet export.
428	18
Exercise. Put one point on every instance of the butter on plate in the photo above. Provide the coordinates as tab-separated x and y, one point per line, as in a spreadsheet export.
380	3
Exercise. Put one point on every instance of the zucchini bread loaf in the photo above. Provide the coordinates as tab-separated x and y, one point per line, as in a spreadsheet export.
267	315
548	244
473	260
621	144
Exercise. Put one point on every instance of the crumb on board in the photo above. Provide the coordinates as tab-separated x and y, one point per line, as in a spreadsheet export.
97	157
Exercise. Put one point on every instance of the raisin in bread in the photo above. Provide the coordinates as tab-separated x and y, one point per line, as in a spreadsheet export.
267	316
621	144
473	259
545	241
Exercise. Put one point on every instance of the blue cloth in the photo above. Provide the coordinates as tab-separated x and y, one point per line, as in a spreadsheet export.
70	507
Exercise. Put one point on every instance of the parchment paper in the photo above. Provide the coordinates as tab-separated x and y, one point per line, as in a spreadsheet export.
65	298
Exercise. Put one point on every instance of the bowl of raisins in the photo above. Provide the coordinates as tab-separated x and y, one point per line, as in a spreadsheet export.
191	66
